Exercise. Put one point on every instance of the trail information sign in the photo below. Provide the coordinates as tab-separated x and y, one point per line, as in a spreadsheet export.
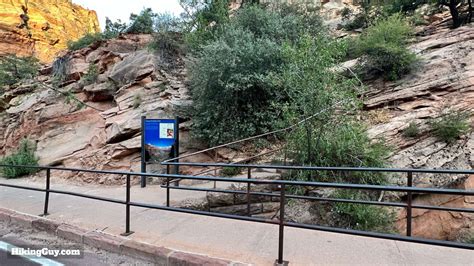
160	138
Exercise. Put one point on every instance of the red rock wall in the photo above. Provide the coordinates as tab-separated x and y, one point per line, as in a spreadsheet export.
42	27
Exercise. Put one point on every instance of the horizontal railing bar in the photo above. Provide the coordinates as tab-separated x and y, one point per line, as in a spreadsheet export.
22	187
377	203
87	196
65	193
442	208
273	195
321	168
260	220
330	185
256	166
382	235
313	227
278	182
204	213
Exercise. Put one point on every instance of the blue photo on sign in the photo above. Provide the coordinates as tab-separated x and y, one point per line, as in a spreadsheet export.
160	136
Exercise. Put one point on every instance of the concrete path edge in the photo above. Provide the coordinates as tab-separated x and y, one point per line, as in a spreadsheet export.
117	244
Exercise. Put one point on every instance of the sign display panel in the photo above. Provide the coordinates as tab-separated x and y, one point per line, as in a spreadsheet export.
159	138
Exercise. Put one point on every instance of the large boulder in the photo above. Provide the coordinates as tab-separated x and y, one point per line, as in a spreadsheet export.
134	67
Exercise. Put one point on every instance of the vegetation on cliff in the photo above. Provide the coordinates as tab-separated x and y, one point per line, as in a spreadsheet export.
262	70
384	47
24	155
14	69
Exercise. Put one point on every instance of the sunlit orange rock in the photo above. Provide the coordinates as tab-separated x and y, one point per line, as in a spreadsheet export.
42	27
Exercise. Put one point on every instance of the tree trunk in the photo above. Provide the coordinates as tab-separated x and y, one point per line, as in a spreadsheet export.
469	15
454	13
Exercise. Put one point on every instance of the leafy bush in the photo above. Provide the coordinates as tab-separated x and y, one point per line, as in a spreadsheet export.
169	44
233	79
384	47
332	138
143	22
137	101
91	75
203	18
412	131
231	171
405	5
451	126
358	22
14	69
343	145
85	41
23	156
113	29
361	216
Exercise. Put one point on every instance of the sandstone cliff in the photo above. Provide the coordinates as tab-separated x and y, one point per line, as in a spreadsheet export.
131	82
443	82
42	27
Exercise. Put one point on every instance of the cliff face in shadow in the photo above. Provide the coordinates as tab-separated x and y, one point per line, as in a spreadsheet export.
42	27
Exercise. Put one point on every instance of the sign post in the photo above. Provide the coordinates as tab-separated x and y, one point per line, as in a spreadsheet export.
160	139
143	154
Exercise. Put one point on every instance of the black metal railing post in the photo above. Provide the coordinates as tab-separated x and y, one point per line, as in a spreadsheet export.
281	226
167	186
409	203
127	208
46	197
249	176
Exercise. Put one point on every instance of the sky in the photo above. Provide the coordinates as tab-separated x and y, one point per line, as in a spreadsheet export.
121	9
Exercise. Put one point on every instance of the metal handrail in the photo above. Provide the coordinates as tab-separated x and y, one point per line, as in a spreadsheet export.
283	184
289	128
322	168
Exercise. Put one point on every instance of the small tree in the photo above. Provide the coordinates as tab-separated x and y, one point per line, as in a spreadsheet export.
113	29
14	69
143	22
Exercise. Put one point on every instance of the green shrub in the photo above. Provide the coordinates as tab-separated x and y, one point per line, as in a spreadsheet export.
231	171
333	138
14	69
346	13
384	46
361	216
344	145
202	22
143	22
85	41
169	44
412	131
113	29
23	156
451	126
358	22
91	75
470	239
70	98
405	5
233	84
137	101
418	20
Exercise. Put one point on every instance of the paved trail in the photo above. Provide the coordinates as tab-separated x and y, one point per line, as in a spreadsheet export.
236	240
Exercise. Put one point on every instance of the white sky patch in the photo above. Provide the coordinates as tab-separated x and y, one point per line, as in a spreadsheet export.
121	9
